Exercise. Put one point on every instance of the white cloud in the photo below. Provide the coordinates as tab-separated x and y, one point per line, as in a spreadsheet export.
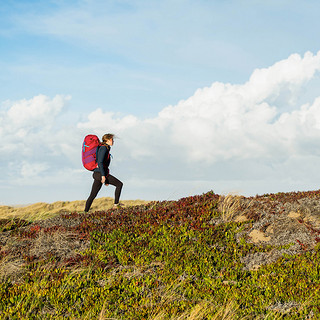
290	73
103	120
228	121
34	112
240	134
26	124
32	170
32	140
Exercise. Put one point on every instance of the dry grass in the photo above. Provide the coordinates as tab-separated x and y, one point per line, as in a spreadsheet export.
12	268
61	244
42	210
228	311
201	311
231	207
198	312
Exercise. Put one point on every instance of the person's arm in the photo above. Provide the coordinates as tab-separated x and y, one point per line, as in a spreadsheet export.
101	155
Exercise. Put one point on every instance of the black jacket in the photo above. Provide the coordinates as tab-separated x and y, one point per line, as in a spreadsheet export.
103	160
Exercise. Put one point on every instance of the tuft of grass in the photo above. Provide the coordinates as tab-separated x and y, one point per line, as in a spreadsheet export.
198	312
12	269
229	206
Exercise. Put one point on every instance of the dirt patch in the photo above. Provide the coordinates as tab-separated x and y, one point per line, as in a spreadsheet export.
290	228
258	236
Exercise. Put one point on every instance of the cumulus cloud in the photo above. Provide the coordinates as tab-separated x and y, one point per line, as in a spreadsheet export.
249	137
25	119
39	110
226	121
32	141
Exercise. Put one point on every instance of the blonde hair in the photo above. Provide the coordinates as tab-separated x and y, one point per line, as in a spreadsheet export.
106	137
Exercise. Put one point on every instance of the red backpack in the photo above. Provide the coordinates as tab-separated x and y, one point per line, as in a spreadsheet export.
89	151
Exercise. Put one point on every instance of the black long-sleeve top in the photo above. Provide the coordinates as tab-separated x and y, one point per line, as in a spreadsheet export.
103	160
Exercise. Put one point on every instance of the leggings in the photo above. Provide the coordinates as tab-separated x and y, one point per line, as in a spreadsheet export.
96	186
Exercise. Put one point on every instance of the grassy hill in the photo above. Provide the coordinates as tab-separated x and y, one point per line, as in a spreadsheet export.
41	210
202	257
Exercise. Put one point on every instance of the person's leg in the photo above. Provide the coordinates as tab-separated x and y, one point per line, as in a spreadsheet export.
118	184
96	186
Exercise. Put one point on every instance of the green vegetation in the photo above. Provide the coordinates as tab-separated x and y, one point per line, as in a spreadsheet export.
163	260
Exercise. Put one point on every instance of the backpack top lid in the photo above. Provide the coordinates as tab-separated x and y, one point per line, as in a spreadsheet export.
89	148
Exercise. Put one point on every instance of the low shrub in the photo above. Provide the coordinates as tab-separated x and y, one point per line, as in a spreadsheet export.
163	260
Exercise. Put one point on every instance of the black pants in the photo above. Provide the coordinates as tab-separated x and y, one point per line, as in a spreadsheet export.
96	186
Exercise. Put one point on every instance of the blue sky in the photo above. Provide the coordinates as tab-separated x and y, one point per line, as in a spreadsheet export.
129	66
144	55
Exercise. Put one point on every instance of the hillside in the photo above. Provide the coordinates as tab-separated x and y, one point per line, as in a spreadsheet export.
201	257
41	210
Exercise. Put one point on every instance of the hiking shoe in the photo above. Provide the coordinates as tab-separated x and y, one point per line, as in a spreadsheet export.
118	205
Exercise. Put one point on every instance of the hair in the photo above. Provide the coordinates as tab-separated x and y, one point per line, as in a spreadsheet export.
106	137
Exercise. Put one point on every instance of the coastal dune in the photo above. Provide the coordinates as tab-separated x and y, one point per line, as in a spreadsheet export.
41	210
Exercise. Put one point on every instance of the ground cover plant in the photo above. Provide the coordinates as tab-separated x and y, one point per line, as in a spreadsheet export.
202	257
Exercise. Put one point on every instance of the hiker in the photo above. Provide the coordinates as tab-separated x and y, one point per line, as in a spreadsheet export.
101	173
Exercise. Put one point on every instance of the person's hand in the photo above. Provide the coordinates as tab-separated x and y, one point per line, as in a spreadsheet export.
103	179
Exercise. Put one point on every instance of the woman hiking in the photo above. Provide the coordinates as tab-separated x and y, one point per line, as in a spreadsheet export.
101	173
